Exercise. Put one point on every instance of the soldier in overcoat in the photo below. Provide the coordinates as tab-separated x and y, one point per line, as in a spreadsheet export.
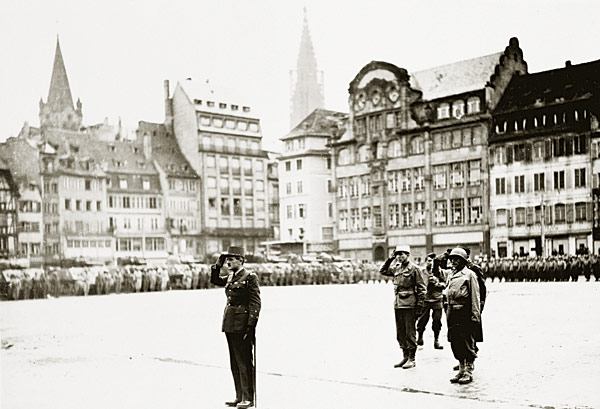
239	321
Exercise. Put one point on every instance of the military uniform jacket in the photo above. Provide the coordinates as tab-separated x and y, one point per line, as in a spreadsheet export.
409	286
243	299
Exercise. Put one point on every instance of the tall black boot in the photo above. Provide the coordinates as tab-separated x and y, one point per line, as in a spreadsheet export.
420	339
404	360
436	341
411	363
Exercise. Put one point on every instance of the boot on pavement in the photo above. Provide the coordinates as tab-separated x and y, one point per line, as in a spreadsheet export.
467	377
420	339
245	404
411	363
404	360
233	403
436	341
461	371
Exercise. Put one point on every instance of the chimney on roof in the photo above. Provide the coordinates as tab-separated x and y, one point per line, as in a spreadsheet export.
147	145
168	104
567	63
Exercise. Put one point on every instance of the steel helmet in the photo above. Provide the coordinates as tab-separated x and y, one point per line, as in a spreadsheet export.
458	252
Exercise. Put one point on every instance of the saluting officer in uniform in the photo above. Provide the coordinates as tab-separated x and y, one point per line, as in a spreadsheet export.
239	321
409	290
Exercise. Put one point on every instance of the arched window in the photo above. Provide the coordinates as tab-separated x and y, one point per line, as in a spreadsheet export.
473	105
417	145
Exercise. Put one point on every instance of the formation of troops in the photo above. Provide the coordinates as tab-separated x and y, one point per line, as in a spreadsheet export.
18	284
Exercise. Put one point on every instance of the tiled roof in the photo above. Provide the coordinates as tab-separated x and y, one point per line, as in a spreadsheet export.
22	159
318	123
571	83
165	150
455	78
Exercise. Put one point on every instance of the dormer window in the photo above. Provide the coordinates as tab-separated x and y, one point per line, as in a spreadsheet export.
246	109
458	109
198	101
222	105
443	111
473	105
210	103
234	107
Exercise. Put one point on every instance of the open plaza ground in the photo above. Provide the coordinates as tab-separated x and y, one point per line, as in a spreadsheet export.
327	346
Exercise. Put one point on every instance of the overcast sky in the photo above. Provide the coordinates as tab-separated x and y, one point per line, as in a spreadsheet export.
118	52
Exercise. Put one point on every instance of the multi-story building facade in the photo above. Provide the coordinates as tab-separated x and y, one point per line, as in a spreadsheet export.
542	170
181	190
273	194
22	160
307	193
413	167
221	139
9	198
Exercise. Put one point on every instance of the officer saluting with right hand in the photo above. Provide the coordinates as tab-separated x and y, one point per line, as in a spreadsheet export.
239	321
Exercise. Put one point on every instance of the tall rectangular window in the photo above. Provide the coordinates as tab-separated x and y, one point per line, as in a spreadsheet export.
298	164
500	186
420	213
539	182
301	210
343	216
405	178
355	219
580	177
394	210
407	215
393	182
366	218
377	216
475	210
418	174
457	209
520	184
441	212
439	177
559	179
456	174
474	172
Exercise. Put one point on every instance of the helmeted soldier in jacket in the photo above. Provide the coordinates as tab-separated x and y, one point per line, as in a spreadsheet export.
463	315
435	279
409	290
239	321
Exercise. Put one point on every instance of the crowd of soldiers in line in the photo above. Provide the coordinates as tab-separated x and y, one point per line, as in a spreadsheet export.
56	282
555	268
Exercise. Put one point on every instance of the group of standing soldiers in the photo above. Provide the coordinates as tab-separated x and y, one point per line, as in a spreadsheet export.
421	291
554	268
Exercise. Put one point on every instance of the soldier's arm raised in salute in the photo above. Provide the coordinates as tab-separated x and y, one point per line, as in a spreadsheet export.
215	269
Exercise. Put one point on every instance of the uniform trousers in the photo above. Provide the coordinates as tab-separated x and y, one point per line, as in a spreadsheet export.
405	328
242	365
461	333
436	315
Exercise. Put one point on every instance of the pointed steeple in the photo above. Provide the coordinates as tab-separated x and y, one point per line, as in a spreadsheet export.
58	112
59	95
307	94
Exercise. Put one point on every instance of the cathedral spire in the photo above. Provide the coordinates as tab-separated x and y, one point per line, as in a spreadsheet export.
59	95
58	111
307	94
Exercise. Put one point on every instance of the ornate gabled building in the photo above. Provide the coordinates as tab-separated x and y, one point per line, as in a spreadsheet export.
306	81
221	139
544	163
413	167
307	193
58	111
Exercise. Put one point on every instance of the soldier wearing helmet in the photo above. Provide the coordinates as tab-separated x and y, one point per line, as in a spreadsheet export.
463	315
409	290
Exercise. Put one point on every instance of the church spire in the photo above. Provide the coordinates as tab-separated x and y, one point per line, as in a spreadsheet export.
58	111
59	95
307	94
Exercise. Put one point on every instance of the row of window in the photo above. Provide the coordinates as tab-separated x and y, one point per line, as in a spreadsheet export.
231	145
76	205
30	249
248	222
123	183
76	244
183	185
457	109
29	206
235	164
540	120
139	223
135	244
182	205
235	204
234	185
228	123
462	211
288	165
523	184
456	172
457	138
558	213
296	211
295	144
540	150
183	225
29	227
134	202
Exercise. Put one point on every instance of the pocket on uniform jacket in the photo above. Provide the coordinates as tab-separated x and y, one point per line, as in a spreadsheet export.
404	293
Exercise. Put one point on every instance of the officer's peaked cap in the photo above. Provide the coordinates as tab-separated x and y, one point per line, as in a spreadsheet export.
459	252
235	251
